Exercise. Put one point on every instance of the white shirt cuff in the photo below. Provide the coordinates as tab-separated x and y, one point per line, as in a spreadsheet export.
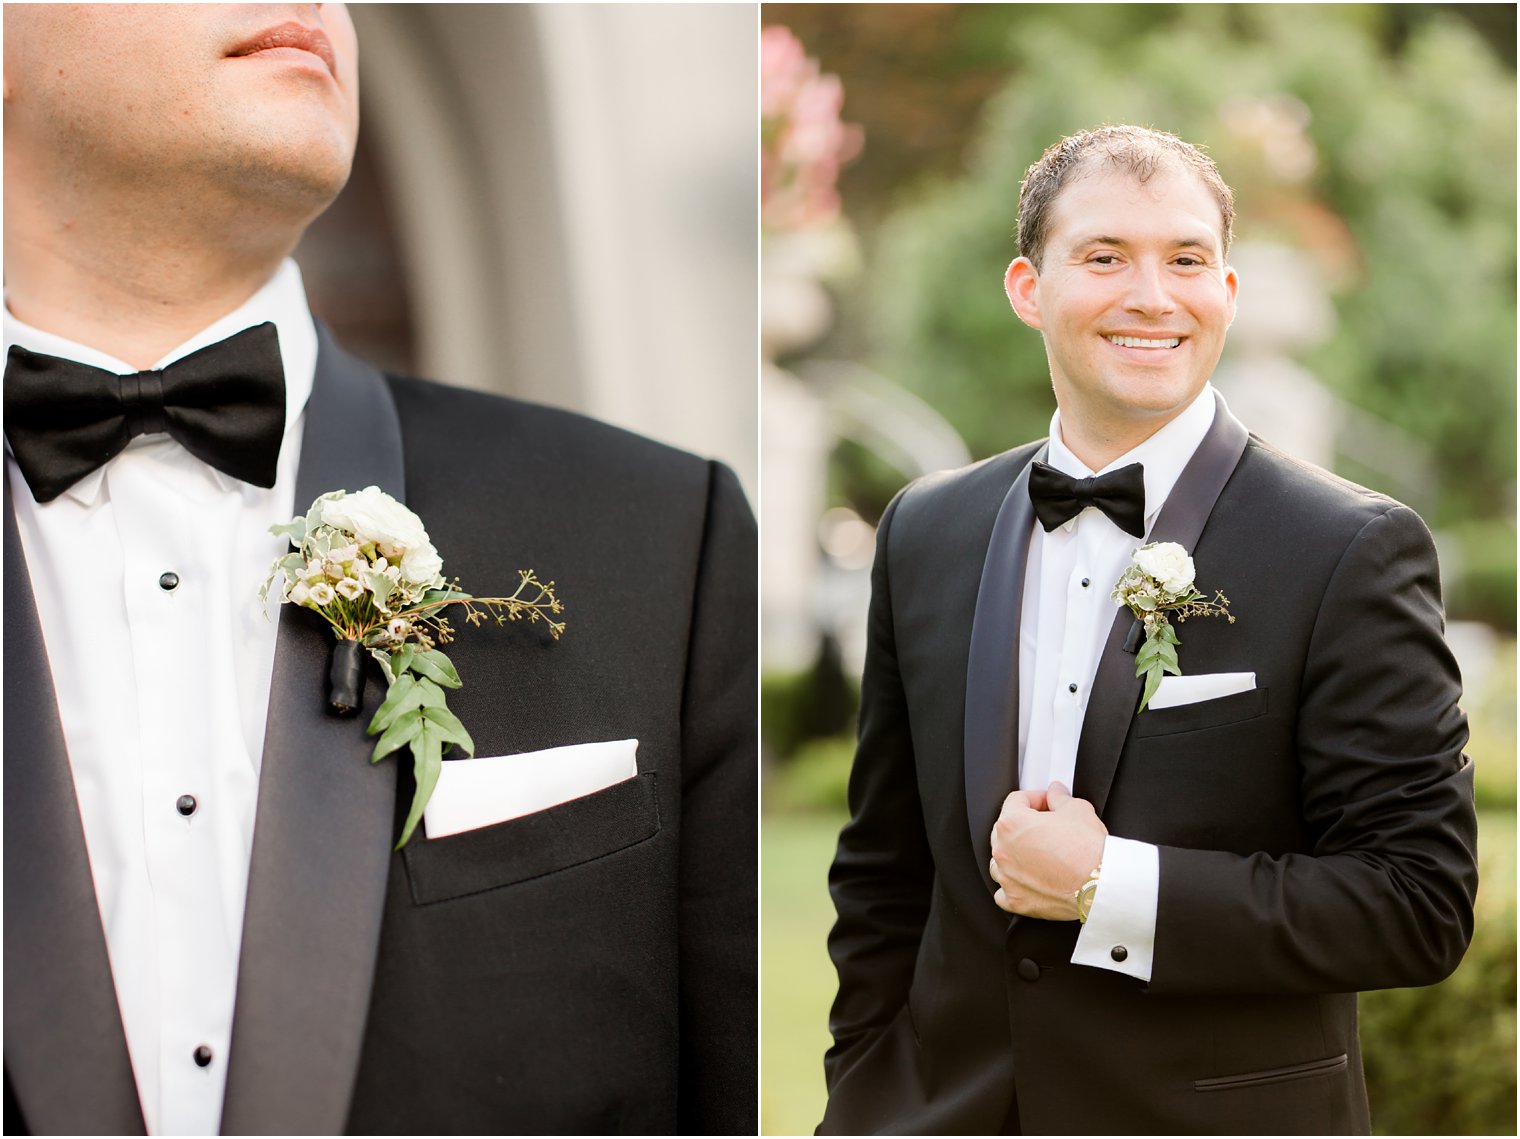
1120	933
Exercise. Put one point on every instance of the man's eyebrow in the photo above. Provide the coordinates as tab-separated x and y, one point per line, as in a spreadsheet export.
1097	239
1204	243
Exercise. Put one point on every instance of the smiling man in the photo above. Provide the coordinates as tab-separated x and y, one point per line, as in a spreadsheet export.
1066	909
207	927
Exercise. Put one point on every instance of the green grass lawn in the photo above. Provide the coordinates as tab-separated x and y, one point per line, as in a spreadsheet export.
798	979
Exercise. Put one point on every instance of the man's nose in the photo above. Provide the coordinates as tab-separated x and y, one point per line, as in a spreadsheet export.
1149	290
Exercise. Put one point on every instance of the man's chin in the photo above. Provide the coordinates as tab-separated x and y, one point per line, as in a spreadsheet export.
1149	402
303	127
297	173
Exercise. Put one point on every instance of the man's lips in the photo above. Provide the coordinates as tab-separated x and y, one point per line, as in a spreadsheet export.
290	35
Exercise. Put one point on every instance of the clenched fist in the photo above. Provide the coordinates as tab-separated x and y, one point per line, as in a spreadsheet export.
1044	846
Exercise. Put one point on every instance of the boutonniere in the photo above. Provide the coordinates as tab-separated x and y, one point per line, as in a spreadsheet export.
1158	585
364	564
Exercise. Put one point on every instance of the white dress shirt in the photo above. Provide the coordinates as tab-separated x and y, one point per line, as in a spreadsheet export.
1065	618
163	693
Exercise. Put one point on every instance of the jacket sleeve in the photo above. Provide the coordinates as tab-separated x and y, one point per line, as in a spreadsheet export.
1385	896
882	873
719	877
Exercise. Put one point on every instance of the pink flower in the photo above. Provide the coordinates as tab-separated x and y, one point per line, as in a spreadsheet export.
803	142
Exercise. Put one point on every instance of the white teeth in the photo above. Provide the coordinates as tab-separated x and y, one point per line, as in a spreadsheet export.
1137	342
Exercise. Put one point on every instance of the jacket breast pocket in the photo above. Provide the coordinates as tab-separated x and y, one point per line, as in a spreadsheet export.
565	835
1215	713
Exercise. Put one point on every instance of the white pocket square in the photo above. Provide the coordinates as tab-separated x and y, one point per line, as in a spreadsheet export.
473	793
1175	691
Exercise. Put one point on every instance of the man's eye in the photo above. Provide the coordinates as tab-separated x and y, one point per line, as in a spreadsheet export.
1189	262
1104	259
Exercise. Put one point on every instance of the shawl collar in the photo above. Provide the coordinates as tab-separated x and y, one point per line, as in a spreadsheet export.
992	667
323	832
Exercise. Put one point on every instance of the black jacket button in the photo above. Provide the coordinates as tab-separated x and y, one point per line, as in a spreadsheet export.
168	581
1029	969
202	1056
185	805
1118	953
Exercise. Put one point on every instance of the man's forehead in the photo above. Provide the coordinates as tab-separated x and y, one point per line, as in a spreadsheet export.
1100	202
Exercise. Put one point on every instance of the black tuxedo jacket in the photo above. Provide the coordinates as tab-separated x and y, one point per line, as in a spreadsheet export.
1316	835
585	969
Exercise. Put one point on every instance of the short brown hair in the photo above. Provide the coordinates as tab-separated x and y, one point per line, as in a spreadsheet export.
1138	151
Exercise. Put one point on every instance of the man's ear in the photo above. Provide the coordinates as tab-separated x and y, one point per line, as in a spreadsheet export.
1019	283
1232	287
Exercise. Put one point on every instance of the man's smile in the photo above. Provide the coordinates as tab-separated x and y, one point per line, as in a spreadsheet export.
1143	342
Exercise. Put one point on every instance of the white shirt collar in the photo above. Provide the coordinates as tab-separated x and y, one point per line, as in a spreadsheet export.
1163	455
282	300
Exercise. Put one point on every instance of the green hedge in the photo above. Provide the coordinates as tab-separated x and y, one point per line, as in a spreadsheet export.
1441	1060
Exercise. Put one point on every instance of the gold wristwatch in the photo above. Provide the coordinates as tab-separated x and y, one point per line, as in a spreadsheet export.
1084	894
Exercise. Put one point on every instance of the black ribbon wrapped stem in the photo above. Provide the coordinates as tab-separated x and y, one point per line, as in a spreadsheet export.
1136	637
345	679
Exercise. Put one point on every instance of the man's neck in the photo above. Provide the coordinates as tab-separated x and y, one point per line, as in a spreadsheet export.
128	285
1097	442
1097	449
135	317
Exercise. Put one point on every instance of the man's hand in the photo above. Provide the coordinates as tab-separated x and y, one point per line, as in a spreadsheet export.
1044	845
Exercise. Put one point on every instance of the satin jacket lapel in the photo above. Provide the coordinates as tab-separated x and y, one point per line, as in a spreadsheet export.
323	833
1116	688
992	669
65	1051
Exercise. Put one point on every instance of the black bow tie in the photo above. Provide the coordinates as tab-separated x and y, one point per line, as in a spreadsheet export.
1059	498
225	404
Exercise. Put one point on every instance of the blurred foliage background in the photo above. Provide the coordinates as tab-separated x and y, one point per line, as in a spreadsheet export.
1376	141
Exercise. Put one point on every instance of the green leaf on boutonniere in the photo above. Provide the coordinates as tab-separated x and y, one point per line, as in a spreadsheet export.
449	724
402	697
436	667
427	763
415	714
433	596
1157	656
403	730
1152	682
295	530
401	659
380	585
1156	653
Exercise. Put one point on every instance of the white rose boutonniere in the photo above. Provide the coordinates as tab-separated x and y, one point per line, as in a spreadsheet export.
1168	564
396	533
1158	585
364	563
